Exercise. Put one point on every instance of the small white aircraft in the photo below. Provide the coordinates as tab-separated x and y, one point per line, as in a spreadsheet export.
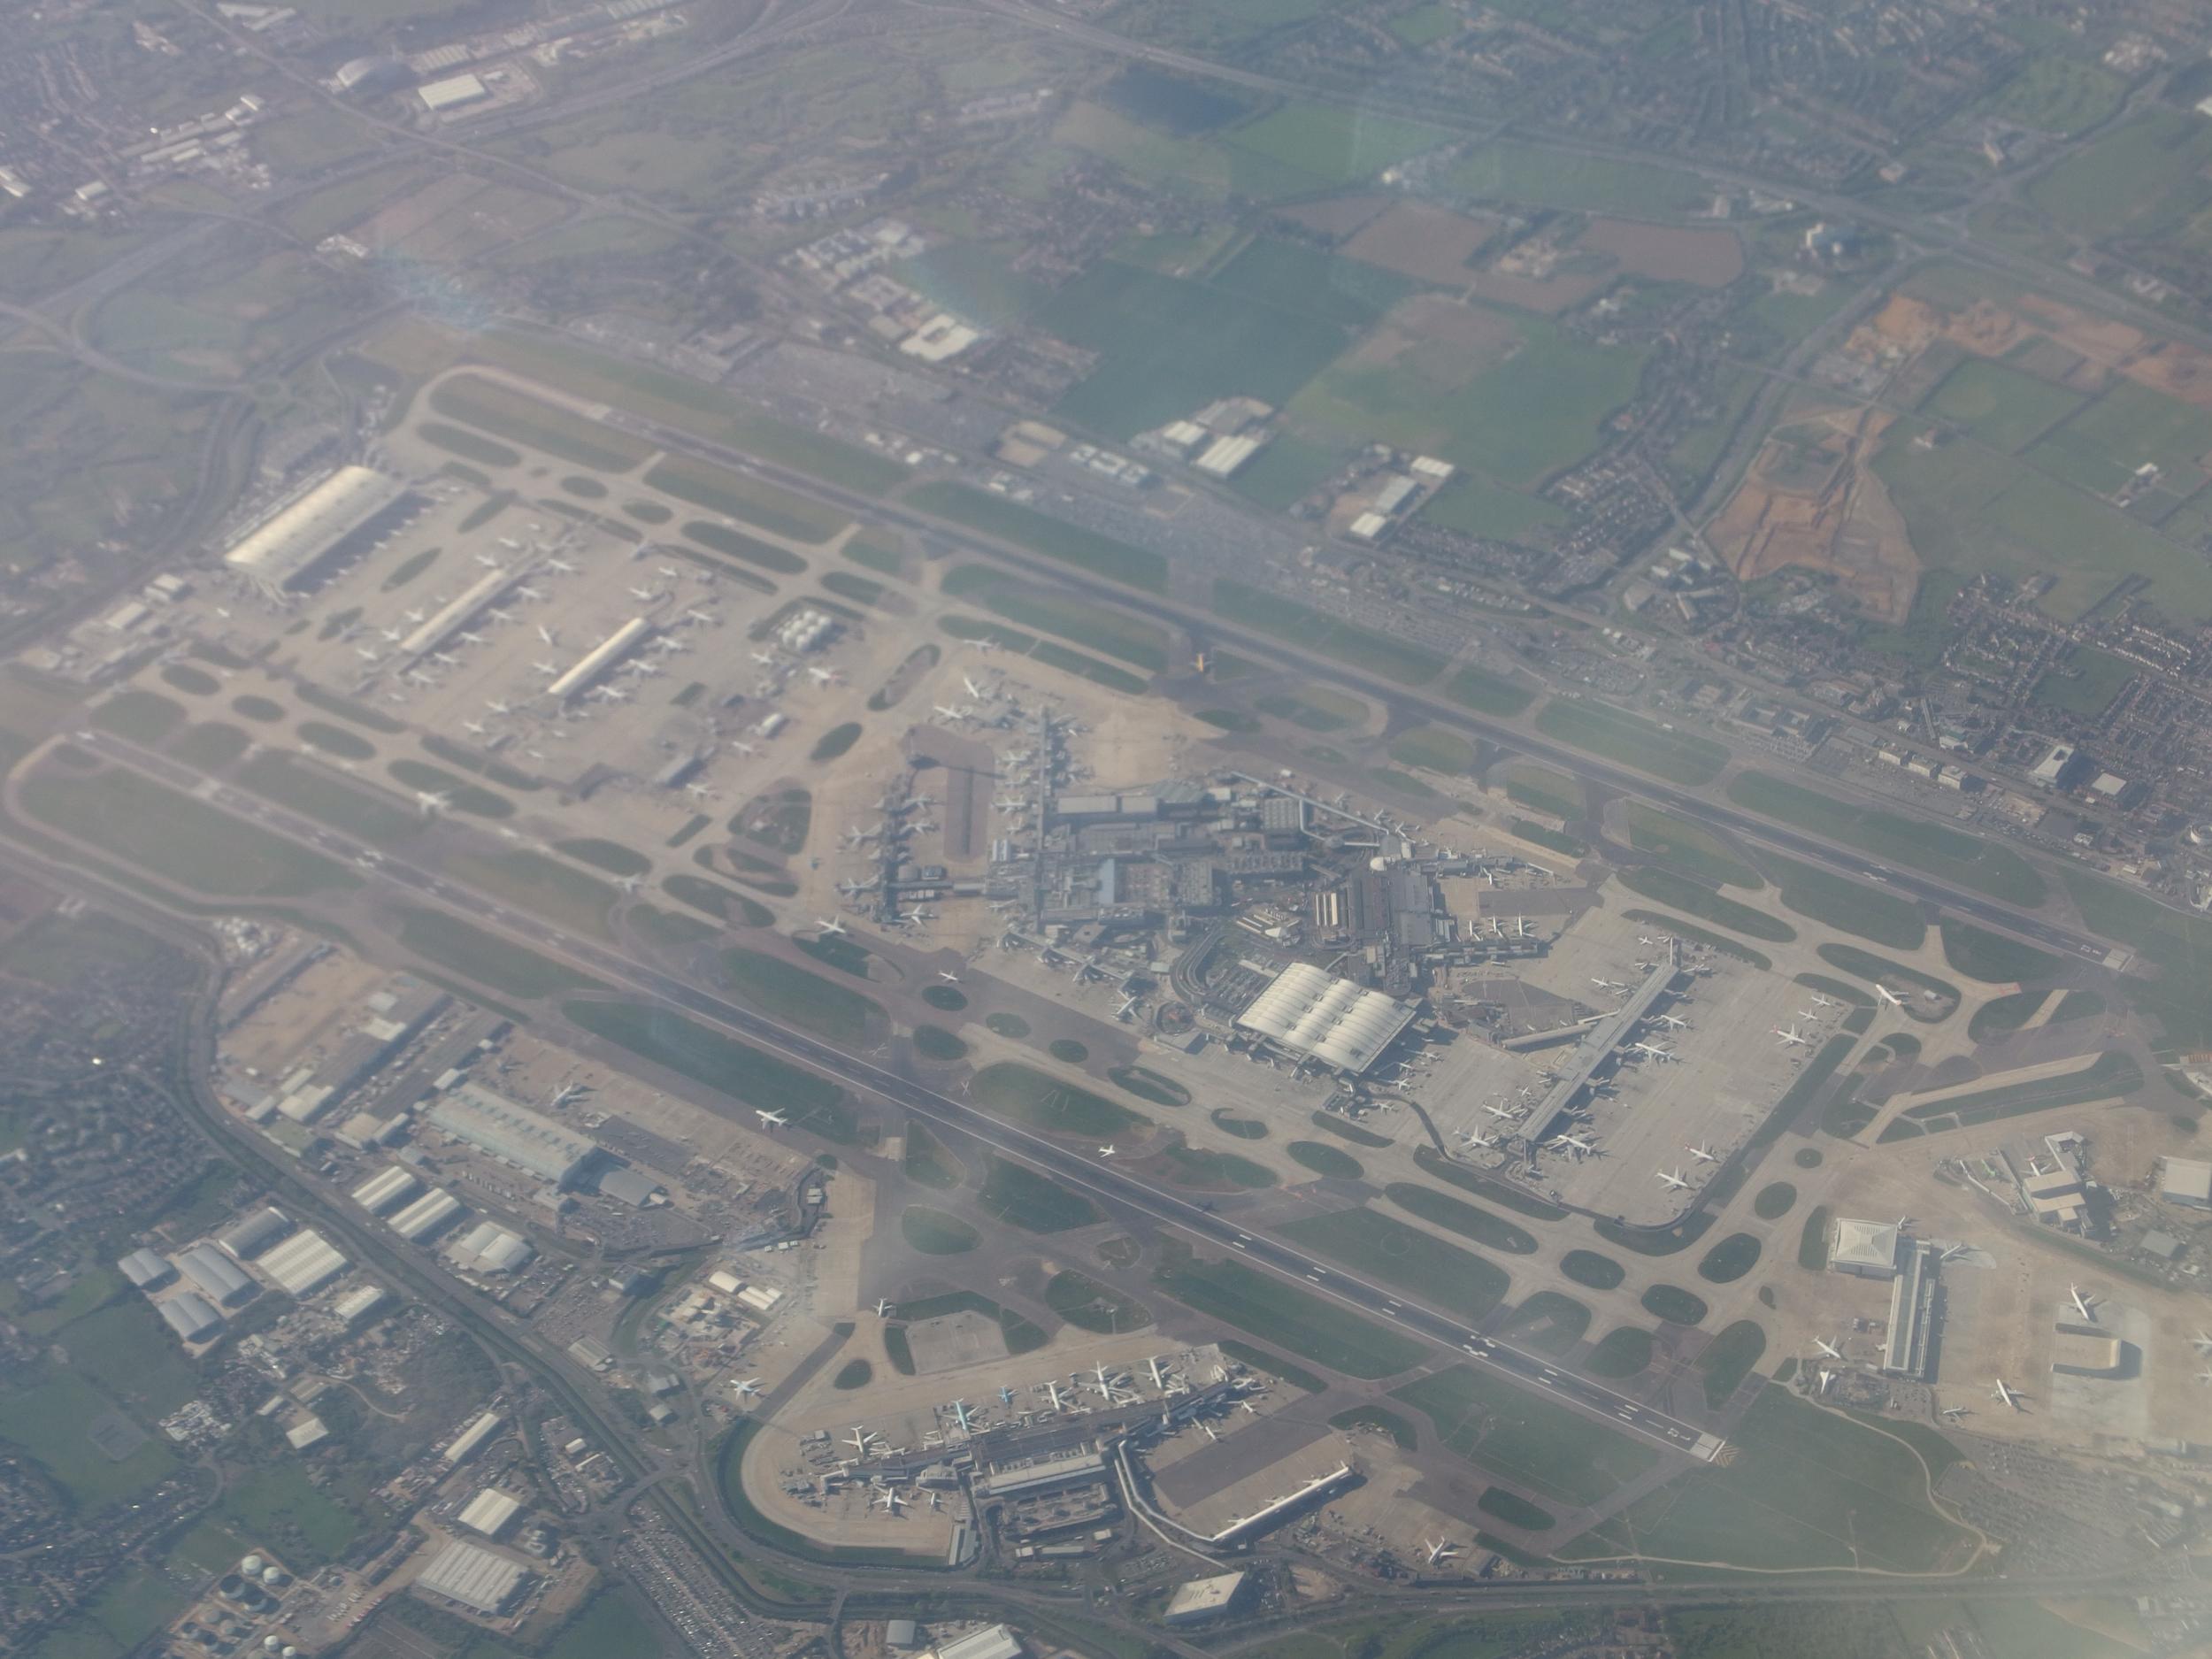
1793	1037
1822	1002
974	690
551	671
467	638
530	593
950	714
1675	1182
770	1120
497	614
1106	1152
829	924
949	978
412	616
861	1441
1888	996
1653	1051
562	565
497	707
1476	1138
824	676
366	655
2202	1341
1827	1347
884	1308
1128	1005
745	1389
630	884
763	658
643	596
2082	1304
668	571
432	802
2008	1397
1607	985
487	561
551	636
1674	1022
1954	1411
959	1410
1703	1154
391	636
1500	1112
610	693
474	727
1578	1143
742	749
1442	1550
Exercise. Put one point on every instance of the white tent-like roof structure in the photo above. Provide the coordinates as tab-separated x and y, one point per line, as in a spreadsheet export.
1312	1013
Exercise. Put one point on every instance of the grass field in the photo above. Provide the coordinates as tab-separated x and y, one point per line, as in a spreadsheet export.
1632	741
1774	1200
2058	94
1868	966
1588	1267
1095	627
2179	944
1326	1160
748	548
726	904
470	445
1674	1304
1433	748
1442	1210
780	511
1017	1195
468	950
2000	405
1729	1260
1548	1322
1089	1305
706	1056
1417	1263
1536	176
1808	1488
520	419
181	840
1623	1351
138	715
1993	958
1486	693
1931	847
545	887
1475	506
2112	1074
1377	654
1682	893
2101	447
49	1418
2086	683
1315	708
926	1159
1524	1438
1333	145
1088	550
1541	789
789	993
372	815
936	1232
1036	1100
1847	906
1308	1325
1687	847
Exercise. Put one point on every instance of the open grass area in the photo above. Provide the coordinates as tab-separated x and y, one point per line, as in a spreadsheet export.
1442	1210
1486	693
1674	1304
50	1417
1315	708
2000	405
936	1232
1312	1327
1540	789
749	549
371	815
791	994
1435	749
1017	1195
1873	968
2005	1014
1588	1267
558	892
1505	1193
726	904
1972	861
1095	627
1325	1160
125	816
142	716
1548	1322
2111	1075
1808	1488
699	1052
1630	740
1624	1351
2178	943
1037	1100
1210	1169
1524	1437
1728	1359
1847	906
1993	958
926	1159
518	417
1381	1247
1774	1200
1729	1260
1089	1305
1689	848
1088	550
464	948
468	444
461	795
780	511
1682	892
2086	682
1374	653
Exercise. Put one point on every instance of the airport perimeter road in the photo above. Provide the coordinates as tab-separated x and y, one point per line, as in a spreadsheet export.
1974	906
1092	1175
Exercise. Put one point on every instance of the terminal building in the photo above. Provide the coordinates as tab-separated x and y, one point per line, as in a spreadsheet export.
1314	1015
513	1134
327	525
1909	1345
1865	1249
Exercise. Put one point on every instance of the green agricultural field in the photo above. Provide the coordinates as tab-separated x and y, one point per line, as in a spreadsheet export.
1931	847
1847	906
277	1502
2059	95
1417	1263
1632	741
1681	893
780	511
520	419
1097	554
1375	653
486	958
1525	1438
1486	693
1688	846
1442	1210
1037	1100
1018	1195
1475	506
787	992
1530	175
1312	1327
1089	1305
706	1056
1808	1488
1333	145
181	840
51	1419
1325	1161
1993	958
2130	426
1304	280
2000	405
937	1232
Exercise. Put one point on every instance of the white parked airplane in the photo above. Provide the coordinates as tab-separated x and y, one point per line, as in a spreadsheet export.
861	1441
562	565
1675	1182
412	616
1652	1051
829	924
467	638
629	884
2008	1397
1822	1002
391	636
2202	1341
474	727
698	792
884	1308
763	658
432	802
497	614
1888	996
610	693
497	707
742	749
1953	1411
551	636
974	690
770	1120
1442	1550
2082	1304
949	978
1500	1112
551	671
746	1388
1607	985
487	561
1106	1152
1674	1023
668	571
1578	1143
950	714
1476	1138
824	676
530	593
959	1410
1794	1036
366	655
1128	1005
1703	1154
643	596
1829	1348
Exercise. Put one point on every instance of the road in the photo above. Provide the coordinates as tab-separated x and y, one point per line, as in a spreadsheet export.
1699	808
1095	1176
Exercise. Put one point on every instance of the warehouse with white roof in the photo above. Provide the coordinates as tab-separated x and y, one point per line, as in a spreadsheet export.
512	1134
191	1316
426	1215
479	1579
304	1264
215	1275
1865	1249
488	1247
287	550
385	1188
490	1512
1313	1014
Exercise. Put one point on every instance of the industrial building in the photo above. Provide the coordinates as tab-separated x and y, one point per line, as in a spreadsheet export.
630	1186
455	92
488	1247
423	1217
250	1235
2187	1182
599	660
1912	1312
359	1303
490	1512
478	1579
513	1134
145	1270
216	1276
1199	1600
1312	1014
1023	1478
473	1439
993	1641
1865	1249
191	1316
304	1264
395	1015
308	538
384	1189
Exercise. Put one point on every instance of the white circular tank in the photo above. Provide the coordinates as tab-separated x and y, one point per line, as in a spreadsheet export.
1379	863
251	1565
273	1644
273	1575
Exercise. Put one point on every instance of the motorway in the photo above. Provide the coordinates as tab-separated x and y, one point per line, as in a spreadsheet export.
1090	1175
1699	808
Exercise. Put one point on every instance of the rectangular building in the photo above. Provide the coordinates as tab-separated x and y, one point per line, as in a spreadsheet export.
432	1210
247	1236
513	1134
1199	1600
473	1439
479	1579
385	1188
304	1264
2187	1182
216	1276
490	1512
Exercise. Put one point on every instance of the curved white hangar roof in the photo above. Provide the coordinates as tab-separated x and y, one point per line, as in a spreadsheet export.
1310	1012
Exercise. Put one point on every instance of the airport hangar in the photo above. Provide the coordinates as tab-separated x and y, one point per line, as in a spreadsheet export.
326	526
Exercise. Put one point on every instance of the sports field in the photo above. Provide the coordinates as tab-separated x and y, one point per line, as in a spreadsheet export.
1525	1438
1417	1263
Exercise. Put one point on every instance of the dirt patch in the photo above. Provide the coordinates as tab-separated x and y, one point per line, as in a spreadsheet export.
1455	342
1427	243
1811	499
1710	258
1339	216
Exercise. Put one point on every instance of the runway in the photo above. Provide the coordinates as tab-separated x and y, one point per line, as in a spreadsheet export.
1089	1174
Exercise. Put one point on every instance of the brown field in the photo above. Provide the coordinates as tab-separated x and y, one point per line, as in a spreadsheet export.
455	214
1425	243
1669	253
1818	506
1339	216
1455	342
2097	350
